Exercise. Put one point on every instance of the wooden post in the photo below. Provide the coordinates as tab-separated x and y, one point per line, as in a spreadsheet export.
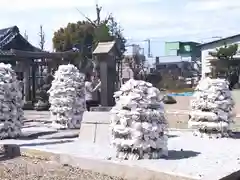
108	79
33	81
26	81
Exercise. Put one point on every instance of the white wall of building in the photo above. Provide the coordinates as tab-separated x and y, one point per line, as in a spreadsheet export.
132	50
206	68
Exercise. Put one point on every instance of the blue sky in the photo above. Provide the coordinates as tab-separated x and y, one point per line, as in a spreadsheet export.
158	20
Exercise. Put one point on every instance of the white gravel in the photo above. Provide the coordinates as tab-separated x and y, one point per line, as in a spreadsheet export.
195	157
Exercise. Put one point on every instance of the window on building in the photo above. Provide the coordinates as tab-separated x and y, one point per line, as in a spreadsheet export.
187	48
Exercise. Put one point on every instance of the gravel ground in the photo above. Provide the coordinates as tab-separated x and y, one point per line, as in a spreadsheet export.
25	168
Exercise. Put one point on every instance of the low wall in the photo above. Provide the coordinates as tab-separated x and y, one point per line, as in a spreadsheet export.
183	102
95	125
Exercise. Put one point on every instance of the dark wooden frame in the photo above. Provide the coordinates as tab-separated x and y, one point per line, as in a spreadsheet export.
27	57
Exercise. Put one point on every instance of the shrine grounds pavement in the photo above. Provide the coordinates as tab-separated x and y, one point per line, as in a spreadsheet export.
62	155
189	158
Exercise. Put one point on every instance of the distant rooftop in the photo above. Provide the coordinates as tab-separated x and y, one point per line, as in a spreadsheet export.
219	40
182	42
173	59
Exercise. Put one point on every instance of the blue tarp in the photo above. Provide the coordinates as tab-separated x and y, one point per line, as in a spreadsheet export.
181	94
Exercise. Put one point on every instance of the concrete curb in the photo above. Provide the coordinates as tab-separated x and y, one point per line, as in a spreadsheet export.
176	129
103	166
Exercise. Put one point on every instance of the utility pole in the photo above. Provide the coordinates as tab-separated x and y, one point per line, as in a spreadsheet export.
149	48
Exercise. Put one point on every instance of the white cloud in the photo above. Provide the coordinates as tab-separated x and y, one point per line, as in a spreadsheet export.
17	5
210	5
140	19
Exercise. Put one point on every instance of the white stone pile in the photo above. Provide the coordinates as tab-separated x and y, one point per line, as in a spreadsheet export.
11	103
67	97
212	108
138	126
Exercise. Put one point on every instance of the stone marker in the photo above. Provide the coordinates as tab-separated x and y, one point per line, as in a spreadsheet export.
11	150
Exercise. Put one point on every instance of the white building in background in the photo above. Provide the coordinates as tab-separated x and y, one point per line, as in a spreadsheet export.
211	47
133	49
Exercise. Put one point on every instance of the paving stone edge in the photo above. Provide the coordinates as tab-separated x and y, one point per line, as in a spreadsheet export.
103	166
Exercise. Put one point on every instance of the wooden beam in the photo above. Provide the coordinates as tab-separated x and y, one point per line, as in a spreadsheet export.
43	54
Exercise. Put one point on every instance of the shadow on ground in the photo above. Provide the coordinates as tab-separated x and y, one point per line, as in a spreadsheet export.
35	135
9	151
233	176
235	135
172	136
4	157
182	154
45	143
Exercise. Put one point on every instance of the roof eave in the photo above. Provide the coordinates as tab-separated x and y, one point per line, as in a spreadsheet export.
219	40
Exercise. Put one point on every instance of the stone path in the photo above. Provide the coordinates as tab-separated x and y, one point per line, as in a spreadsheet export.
190	157
38	125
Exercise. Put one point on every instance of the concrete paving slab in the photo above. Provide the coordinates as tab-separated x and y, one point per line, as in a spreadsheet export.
95	127
42	116
189	156
35	142
34	132
102	134
33	124
95	133
62	134
96	117
88	132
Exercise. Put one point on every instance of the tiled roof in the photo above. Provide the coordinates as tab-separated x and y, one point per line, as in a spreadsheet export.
219	40
6	53
7	35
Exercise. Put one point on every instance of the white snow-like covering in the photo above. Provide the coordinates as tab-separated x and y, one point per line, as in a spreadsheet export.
138	124
11	103
212	108
67	97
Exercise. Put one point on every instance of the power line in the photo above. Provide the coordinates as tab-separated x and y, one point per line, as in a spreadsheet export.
155	39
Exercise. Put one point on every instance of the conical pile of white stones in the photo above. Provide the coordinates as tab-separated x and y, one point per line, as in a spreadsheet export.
138	126
212	108
67	97
11	103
